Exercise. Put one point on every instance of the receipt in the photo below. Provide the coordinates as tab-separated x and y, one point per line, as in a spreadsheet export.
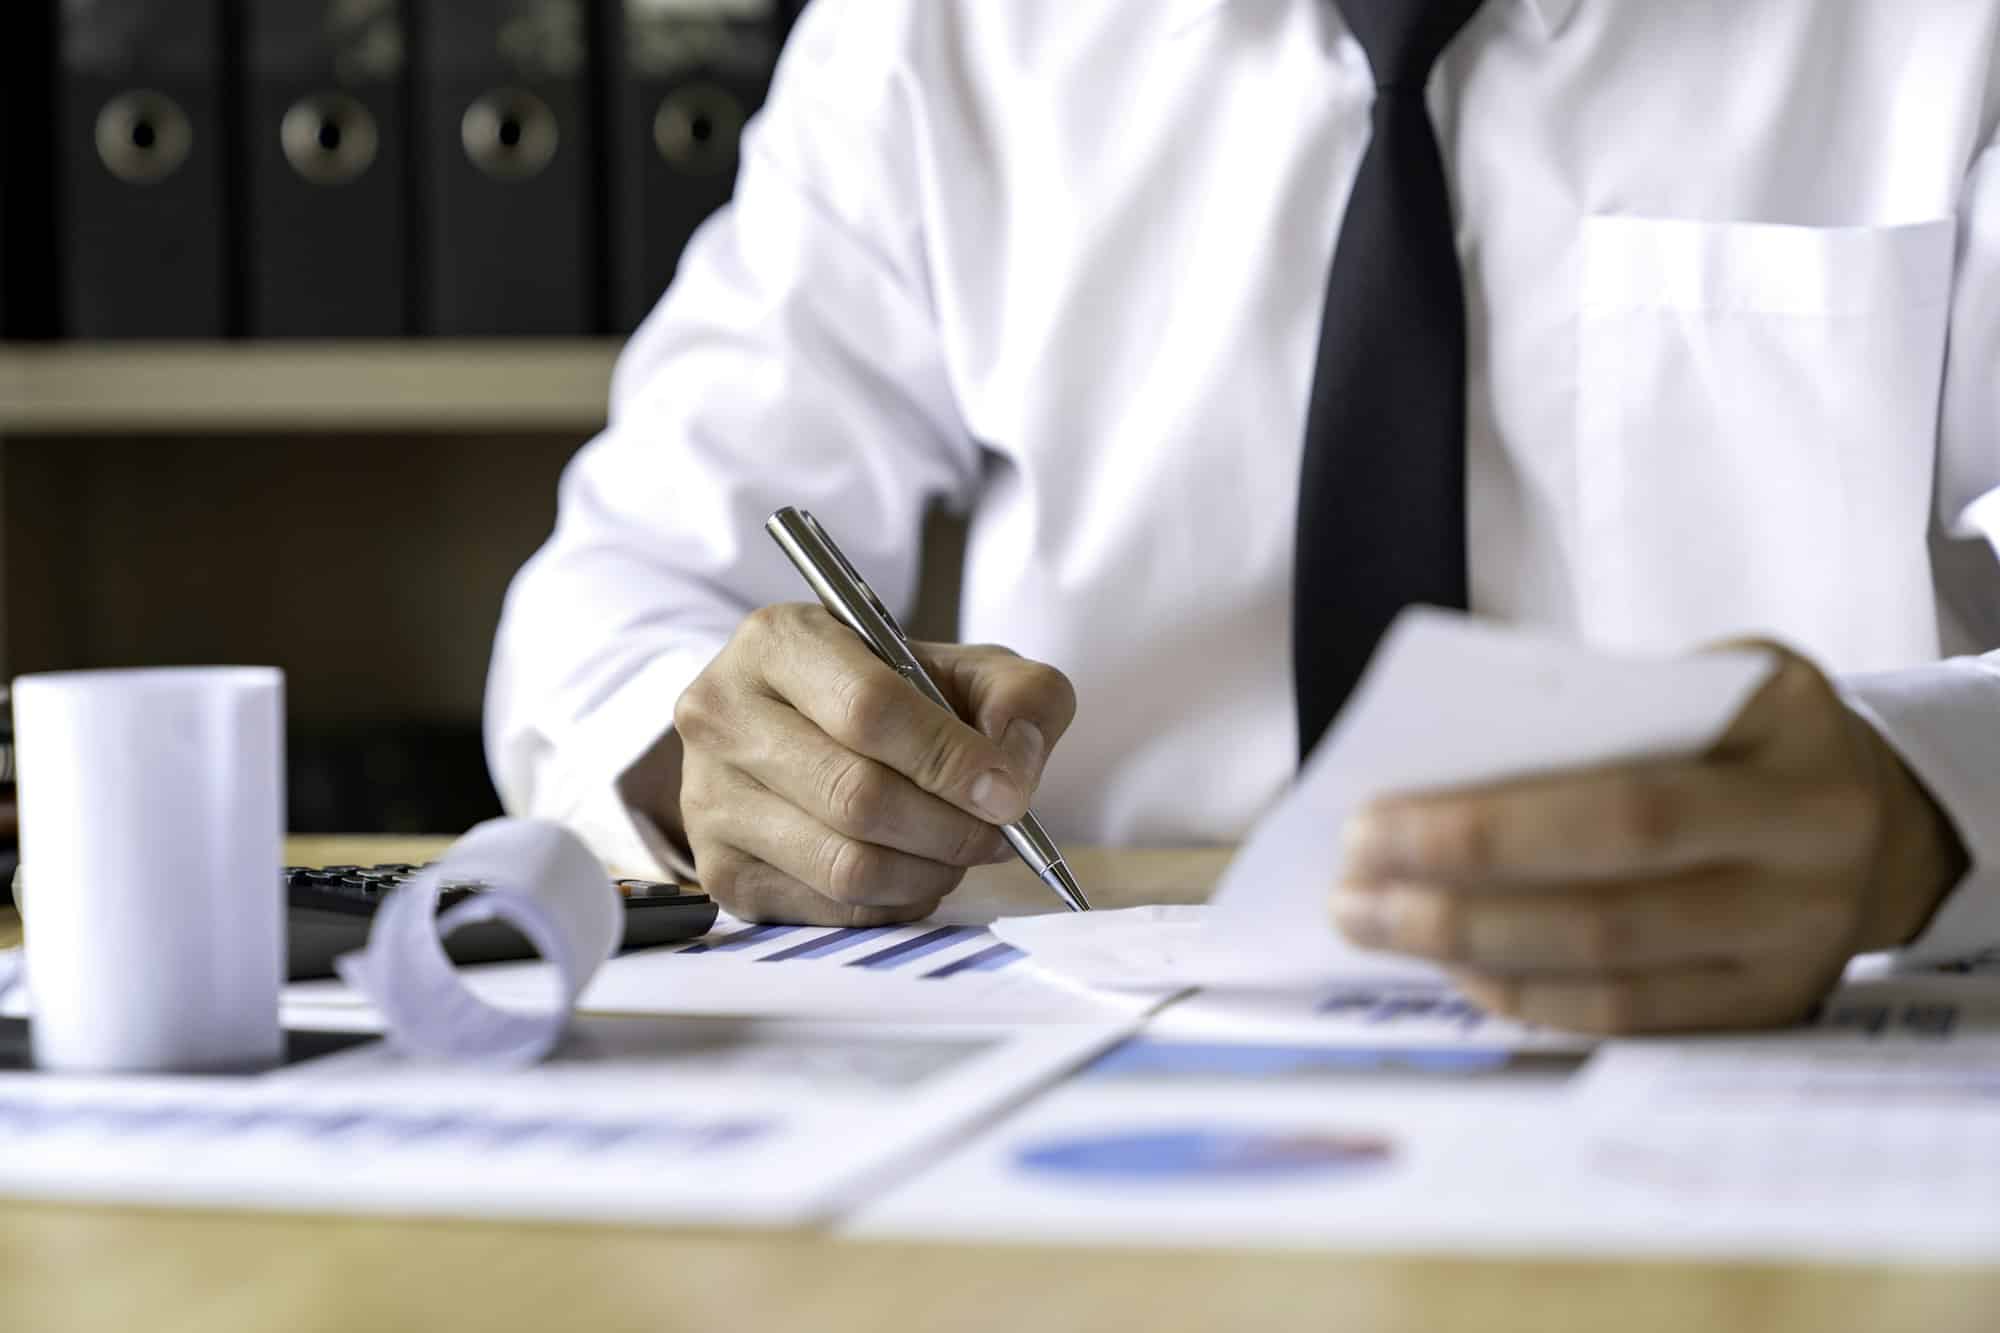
541	881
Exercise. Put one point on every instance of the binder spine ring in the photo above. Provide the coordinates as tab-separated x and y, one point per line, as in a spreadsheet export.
330	139
697	127
510	134
143	137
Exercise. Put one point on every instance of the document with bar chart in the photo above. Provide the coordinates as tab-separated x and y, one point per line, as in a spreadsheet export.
928	972
633	1119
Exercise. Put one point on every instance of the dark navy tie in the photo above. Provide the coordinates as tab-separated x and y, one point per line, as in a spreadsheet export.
1382	487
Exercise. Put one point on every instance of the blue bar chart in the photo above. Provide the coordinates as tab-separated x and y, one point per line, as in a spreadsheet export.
929	952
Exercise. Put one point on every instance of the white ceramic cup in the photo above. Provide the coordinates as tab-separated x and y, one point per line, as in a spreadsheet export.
152	842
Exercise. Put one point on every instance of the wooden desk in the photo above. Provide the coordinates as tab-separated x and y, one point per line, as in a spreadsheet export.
102	1269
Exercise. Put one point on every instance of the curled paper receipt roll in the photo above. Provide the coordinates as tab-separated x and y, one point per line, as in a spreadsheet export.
542	881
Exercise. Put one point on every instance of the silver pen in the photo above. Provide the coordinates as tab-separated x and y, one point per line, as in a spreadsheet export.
847	595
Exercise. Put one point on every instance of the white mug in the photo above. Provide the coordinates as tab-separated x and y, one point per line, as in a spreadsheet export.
152	809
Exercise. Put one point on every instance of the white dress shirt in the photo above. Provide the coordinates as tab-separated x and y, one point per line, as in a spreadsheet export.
1733	277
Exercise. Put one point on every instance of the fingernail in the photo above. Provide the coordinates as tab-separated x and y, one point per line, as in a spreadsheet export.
998	797
1362	917
1023	744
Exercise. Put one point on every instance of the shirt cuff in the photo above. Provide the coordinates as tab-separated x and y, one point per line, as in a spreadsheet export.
1943	720
603	746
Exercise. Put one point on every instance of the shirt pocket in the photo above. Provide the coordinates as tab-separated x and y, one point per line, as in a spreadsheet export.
1757	415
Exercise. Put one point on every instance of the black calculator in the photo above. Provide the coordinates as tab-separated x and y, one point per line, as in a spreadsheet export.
328	910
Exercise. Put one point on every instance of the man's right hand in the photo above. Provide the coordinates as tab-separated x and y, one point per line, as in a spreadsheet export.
818	786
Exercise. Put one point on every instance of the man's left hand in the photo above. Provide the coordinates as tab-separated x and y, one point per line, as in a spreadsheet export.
1726	891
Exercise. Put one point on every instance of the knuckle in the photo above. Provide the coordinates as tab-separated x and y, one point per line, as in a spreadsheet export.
699	712
1645	815
1605	938
857	794
698	807
850	870
759	629
723	878
867	708
940	764
1053	689
1431	924
975	843
932	880
1798	679
1458	837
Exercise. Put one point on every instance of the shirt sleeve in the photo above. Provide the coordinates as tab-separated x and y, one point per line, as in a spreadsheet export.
1944	722
1944	719
794	360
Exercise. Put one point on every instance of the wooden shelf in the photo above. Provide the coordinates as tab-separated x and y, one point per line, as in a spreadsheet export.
417	386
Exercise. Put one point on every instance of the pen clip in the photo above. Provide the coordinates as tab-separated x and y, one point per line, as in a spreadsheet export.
853	574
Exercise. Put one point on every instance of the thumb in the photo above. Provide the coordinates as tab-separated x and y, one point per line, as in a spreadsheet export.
1024	706
1794	720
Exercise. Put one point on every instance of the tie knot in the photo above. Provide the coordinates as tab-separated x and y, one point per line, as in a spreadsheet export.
1403	38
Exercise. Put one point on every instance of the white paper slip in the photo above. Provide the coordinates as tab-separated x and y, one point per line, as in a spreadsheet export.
927	972
540	880
633	1120
1447	701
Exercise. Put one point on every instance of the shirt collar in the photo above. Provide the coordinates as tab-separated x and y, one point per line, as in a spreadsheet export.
1551	14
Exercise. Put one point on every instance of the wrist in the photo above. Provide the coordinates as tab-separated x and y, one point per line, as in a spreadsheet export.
651	791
